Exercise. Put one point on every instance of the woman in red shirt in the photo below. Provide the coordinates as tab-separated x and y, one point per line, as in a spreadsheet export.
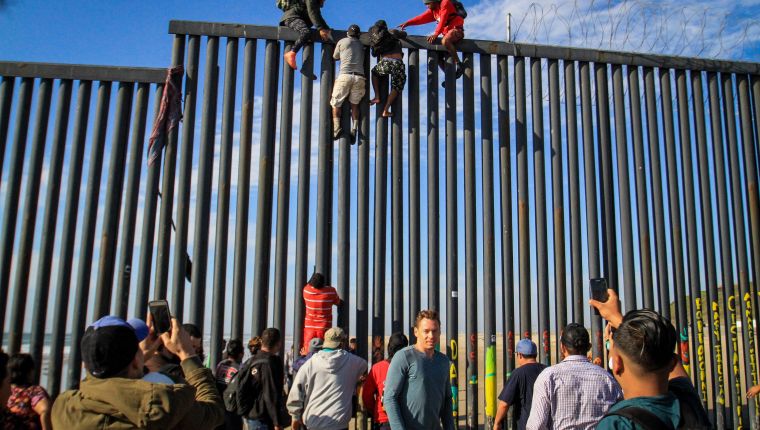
319	300
372	389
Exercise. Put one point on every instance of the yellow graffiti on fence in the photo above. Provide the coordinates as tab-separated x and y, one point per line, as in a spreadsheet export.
701	348
718	354
735	360
751	339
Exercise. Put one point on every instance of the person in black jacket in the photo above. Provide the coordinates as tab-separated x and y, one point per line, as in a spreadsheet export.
300	16
268	410
386	46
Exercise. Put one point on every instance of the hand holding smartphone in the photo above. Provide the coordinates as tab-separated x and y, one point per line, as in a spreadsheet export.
599	291
162	318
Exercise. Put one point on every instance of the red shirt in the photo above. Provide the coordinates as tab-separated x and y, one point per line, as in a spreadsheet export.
372	391
446	15
319	303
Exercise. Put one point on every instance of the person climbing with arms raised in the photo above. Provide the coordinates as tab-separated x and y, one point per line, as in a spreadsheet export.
350	82
300	16
319	298
450	15
386	46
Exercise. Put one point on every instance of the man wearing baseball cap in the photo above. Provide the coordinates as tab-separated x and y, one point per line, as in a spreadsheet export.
572	394
320	397
351	82
518	391
112	396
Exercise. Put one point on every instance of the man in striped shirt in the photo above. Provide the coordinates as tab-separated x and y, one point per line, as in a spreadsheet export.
573	394
319	300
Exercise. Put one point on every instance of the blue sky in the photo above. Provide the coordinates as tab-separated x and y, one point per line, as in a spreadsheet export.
135	34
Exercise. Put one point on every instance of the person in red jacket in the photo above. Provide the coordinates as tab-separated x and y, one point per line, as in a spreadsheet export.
372	389
319	300
450	26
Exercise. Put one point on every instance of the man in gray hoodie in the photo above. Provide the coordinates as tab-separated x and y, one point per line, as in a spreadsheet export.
320	397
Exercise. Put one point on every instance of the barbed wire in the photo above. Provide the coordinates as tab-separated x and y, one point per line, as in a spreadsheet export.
704	28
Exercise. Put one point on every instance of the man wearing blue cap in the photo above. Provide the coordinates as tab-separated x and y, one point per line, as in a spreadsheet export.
112	396
518	392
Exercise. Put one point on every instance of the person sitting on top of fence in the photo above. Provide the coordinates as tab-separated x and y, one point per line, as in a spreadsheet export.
386	46
300	16
450	15
351	82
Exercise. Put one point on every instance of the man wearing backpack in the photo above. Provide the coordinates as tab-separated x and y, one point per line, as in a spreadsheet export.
266	385
450	15
386	46
657	391
300	16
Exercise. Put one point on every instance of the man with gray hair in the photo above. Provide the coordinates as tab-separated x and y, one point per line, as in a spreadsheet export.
320	397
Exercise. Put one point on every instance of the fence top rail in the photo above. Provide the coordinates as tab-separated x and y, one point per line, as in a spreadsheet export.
198	28
81	72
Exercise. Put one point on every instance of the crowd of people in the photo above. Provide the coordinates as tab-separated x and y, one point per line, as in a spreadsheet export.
137	377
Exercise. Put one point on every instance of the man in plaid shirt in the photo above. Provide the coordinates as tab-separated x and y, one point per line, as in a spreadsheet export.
573	394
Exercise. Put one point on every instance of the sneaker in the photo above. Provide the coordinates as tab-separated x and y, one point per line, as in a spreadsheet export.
460	70
353	136
354	128
290	59
337	130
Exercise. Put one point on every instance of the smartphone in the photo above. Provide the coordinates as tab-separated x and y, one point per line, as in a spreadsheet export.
599	291
162	318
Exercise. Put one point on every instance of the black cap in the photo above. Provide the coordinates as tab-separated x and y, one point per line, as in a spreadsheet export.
353	30
108	346
575	337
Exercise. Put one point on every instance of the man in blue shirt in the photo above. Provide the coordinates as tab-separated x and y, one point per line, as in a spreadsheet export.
518	391
417	392
657	391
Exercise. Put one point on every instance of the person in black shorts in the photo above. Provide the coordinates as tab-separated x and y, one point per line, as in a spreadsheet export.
518	392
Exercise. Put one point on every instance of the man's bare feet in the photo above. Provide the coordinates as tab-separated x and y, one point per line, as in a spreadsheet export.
374	101
290	59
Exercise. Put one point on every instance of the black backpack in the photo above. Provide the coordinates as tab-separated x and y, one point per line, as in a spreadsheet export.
461	11
286	5
646	420
242	392
380	38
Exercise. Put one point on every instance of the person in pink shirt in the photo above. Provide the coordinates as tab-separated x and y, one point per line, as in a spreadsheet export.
450	26
374	385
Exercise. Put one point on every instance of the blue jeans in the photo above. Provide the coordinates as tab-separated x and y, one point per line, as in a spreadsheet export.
257	425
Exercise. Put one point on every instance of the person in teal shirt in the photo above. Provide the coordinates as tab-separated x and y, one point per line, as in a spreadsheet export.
417	392
656	389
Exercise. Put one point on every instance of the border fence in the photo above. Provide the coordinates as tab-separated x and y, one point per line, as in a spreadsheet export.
652	184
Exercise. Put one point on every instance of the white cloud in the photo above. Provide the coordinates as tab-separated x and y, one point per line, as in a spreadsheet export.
704	28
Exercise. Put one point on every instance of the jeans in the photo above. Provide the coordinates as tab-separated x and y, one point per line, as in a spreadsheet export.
257	425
